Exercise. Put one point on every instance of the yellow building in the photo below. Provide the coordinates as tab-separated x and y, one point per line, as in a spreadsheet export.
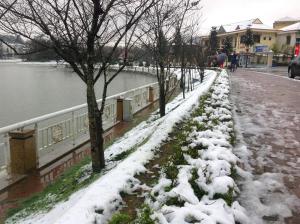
284	22
288	39
264	36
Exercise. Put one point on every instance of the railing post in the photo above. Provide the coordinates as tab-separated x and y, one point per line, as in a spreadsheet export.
119	109
7	153
151	94
127	109
73	128
23	151
36	134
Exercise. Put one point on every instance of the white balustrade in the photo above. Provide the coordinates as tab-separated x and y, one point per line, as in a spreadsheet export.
156	92
71	127
5	155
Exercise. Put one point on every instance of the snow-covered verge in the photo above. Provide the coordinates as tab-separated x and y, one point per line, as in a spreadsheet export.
198	186
97	202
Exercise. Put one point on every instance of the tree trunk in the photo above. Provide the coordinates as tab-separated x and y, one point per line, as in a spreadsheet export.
188	85
201	75
162	94
247	50
95	128
183	79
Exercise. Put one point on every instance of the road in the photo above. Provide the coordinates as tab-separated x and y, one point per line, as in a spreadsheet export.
268	115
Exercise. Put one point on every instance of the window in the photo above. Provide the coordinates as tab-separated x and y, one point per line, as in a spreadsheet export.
270	38
265	38
256	38
297	40
243	39
288	40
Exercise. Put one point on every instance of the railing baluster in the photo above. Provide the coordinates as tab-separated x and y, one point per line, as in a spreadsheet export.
7	152
73	128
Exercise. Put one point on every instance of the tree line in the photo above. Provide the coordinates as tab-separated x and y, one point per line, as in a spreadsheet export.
92	35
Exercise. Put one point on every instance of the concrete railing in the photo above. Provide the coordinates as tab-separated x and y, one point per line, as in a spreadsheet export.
68	128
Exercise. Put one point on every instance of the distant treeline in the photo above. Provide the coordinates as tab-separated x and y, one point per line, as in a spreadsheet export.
39	51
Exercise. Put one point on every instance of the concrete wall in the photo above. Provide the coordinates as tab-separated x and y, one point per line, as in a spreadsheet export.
282	37
264	39
241	47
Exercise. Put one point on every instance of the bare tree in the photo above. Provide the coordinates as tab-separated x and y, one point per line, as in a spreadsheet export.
186	30
159	25
197	53
201	55
79	31
5	11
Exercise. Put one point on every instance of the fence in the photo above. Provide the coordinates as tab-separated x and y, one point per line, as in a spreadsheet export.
69	128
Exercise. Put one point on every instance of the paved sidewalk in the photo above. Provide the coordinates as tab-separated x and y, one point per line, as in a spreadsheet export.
279	71
268	110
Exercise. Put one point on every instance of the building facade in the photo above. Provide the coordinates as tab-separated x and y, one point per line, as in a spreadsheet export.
288	39
285	35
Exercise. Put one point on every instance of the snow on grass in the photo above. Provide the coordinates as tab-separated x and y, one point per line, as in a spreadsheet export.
203	190
97	202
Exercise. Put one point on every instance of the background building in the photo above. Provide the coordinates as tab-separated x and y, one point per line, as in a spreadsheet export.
288	39
15	41
284	22
282	38
264	35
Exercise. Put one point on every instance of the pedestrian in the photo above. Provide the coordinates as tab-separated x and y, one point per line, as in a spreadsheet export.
233	64
221	59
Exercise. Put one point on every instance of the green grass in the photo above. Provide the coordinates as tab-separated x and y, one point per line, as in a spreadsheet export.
120	218
125	154
201	127
66	184
193	152
171	171
60	190
232	139
233	172
215	121
144	216
168	188
228	197
199	192
175	201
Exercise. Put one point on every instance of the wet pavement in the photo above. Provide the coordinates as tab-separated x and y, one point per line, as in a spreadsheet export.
281	71
268	113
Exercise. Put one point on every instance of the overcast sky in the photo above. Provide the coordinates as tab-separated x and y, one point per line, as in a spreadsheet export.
217	12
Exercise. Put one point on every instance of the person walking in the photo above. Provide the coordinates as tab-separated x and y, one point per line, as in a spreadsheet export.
221	59
233	61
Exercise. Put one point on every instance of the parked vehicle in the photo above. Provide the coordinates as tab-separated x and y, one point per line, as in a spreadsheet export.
294	67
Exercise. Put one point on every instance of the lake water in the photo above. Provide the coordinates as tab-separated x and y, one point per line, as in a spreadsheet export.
28	91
